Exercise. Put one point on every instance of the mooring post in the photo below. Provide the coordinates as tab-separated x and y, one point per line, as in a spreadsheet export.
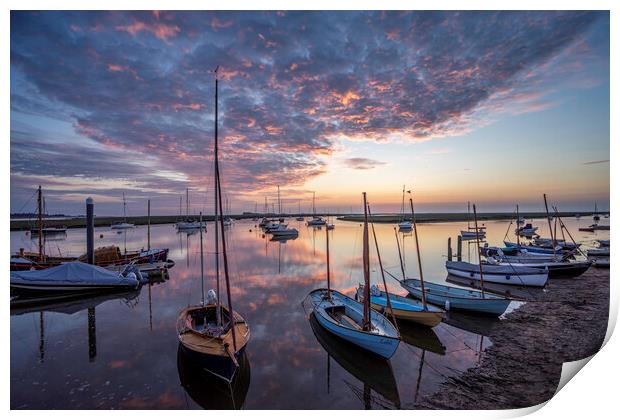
450	249
459	248
90	230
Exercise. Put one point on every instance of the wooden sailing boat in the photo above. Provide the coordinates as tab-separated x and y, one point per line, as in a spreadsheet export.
399	306
351	320
212	331
124	224
456	298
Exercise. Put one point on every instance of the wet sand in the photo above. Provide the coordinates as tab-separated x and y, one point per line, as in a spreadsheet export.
522	368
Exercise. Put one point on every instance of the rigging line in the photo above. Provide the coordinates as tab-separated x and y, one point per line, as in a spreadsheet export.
459	339
426	362
26	202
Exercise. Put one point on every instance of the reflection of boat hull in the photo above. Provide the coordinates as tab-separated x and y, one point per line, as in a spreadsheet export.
209	391
66	303
374	371
476	324
421	337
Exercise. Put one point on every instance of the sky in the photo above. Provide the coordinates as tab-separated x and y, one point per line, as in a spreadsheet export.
496	108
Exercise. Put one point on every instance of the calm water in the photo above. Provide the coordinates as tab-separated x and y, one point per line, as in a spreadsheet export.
121	351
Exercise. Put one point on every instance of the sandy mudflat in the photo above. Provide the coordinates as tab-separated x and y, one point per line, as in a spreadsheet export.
522	368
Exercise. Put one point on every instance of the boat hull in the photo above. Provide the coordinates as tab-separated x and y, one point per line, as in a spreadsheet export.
381	345
515	277
470	301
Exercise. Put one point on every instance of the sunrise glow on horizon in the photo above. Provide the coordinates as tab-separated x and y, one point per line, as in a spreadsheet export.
495	108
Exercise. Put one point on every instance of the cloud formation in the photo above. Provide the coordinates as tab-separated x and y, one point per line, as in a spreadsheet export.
137	87
362	163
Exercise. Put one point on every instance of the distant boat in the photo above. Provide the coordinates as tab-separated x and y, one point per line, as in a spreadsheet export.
564	269
70	277
49	230
283	231
316	220
351	320
596	216
228	221
527	230
404	308
470	233
188	224
124	224
513	274
404	225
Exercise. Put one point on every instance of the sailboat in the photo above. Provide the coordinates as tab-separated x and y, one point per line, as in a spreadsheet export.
123	224
456	298
399	306
299	218
596	217
351	320
404	225
188	223
211	331
316	220
470	233
41	229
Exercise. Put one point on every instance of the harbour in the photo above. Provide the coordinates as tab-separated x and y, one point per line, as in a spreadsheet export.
122	352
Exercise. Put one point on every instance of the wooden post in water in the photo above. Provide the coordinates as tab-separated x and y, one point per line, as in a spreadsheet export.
459	248
450	249
92	335
90	231
478	250
202	263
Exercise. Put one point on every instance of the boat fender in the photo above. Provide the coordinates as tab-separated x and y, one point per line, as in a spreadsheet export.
507	276
471	274
447	305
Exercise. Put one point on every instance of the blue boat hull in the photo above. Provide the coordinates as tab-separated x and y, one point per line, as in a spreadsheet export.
382	346
488	306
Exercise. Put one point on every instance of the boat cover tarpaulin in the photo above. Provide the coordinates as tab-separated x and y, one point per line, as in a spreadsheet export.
76	273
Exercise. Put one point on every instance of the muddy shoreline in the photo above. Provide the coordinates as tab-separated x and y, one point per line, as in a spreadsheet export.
522	368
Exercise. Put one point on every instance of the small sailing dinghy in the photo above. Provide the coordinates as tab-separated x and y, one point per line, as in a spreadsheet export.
71	277
403	307
316	220
454	298
351	320
211	331
555	268
510	273
471	233
404	225
282	231
399	306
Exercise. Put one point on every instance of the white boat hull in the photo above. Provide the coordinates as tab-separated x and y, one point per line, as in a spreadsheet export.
537	280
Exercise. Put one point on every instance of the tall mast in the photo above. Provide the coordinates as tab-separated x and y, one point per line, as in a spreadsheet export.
402	207
124	211
187	202
279	202
218	311
313	204
202	268
468	217
417	247
225	257
549	222
329	289
180	206
366	262
518	243
40	217
478	248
